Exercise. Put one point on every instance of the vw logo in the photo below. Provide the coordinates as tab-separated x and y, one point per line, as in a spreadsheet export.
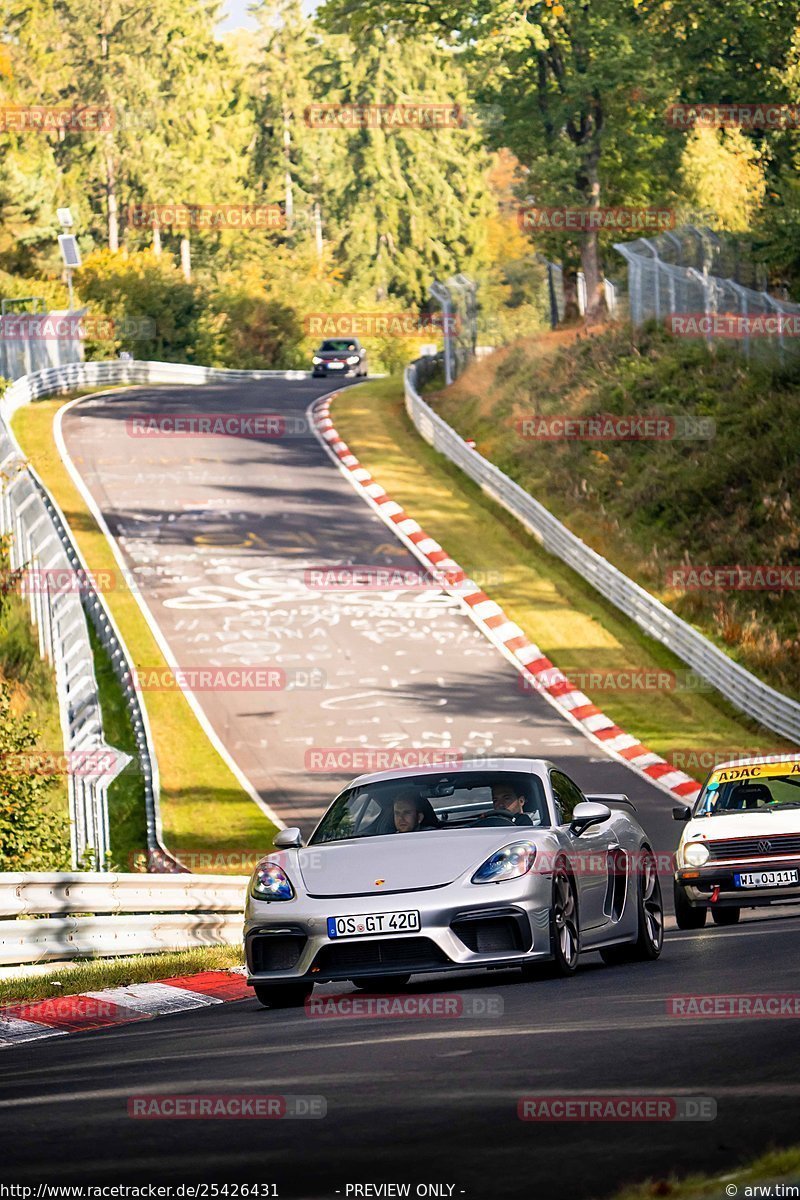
764	846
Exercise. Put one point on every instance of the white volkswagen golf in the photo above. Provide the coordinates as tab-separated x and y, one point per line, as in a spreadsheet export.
741	845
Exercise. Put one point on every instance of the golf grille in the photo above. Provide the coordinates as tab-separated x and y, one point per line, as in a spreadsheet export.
755	847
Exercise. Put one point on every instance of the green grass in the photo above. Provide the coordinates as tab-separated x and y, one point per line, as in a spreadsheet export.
203	807
651	505
776	1166
557	609
33	689
98	973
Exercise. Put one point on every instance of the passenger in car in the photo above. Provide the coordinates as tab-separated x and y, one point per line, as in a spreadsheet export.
412	812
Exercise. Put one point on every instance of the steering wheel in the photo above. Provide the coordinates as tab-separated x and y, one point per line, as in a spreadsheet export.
498	812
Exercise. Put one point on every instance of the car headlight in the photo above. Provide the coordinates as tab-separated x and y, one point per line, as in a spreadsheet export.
695	853
352	360
316	359
270	882
508	863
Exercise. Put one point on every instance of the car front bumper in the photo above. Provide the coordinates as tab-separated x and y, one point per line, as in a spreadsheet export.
700	883
288	941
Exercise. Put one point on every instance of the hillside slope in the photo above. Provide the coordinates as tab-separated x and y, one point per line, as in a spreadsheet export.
654	505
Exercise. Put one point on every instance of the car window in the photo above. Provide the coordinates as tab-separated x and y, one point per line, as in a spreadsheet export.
338	344
767	793
566	793
444	801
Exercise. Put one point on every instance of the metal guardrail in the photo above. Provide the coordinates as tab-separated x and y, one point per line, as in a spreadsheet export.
131	914
56	611
775	711
71	376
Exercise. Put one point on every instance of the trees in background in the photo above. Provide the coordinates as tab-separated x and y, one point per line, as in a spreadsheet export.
578	91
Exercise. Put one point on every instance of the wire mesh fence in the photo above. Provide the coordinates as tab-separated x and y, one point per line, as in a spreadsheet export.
676	279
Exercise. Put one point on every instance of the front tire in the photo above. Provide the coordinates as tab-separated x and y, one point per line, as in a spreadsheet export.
282	995
726	916
650	919
565	937
686	916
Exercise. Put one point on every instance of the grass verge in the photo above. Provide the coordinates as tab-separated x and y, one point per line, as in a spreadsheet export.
555	607
204	810
98	973
658	504
774	1167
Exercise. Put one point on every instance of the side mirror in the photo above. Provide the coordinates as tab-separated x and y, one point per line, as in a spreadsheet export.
588	813
681	813
288	839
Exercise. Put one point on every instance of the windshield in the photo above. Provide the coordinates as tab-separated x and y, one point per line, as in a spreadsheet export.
435	801
339	345
766	794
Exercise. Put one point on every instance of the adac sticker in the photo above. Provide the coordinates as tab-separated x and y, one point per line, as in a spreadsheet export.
756	771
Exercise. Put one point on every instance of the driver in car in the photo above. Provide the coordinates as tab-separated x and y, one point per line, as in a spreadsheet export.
507	807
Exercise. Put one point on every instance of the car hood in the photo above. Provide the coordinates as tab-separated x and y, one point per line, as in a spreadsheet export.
736	825
404	862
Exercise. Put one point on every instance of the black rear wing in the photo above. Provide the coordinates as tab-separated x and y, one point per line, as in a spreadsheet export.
613	800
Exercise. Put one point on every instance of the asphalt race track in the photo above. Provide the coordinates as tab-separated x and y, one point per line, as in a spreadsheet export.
428	1101
219	534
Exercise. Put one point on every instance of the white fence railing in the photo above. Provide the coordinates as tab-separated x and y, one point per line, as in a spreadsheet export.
775	711
45	917
33	342
55	606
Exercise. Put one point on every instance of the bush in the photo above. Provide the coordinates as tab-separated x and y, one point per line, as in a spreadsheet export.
158	314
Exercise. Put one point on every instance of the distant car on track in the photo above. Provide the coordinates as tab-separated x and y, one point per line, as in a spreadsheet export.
741	845
495	862
340	356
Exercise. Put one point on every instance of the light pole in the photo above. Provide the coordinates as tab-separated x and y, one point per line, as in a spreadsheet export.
70	251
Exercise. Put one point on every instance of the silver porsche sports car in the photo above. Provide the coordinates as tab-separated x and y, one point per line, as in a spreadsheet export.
491	863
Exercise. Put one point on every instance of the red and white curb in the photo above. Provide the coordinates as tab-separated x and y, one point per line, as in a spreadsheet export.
528	659
118	1006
